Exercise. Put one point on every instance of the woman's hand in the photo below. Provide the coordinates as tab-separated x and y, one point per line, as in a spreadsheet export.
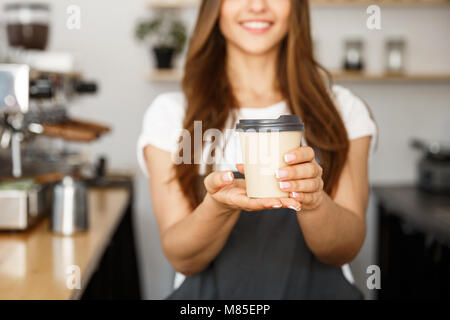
230	194
302	178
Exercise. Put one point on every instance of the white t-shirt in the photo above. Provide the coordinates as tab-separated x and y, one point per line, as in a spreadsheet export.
163	123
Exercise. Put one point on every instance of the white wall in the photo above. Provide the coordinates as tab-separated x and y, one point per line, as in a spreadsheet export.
106	51
402	110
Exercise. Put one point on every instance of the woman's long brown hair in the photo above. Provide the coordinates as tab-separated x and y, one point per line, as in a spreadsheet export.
301	79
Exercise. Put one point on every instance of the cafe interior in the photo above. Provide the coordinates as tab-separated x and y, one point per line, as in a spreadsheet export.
76	77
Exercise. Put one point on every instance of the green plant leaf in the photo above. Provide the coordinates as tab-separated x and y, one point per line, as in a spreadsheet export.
175	36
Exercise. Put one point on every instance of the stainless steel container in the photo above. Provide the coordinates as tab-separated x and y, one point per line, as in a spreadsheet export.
70	207
14	88
22	207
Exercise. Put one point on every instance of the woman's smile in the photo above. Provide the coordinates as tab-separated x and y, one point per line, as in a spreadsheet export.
257	26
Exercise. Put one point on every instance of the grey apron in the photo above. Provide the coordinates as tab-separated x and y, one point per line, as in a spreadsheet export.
266	257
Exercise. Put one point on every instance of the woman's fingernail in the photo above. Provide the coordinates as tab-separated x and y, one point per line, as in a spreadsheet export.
295	208
227	177
284	184
277	206
281	174
294	195
289	157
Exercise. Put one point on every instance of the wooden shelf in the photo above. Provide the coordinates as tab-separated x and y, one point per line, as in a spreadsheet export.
364	77
169	75
172	3
419	3
175	75
194	3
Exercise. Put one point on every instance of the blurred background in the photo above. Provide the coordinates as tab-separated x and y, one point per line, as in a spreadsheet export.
117	56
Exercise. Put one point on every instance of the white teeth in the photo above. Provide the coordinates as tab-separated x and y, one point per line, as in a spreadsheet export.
256	25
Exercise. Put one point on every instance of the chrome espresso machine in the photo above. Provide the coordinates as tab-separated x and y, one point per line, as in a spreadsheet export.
35	131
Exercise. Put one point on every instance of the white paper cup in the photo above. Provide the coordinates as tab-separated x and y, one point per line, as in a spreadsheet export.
264	143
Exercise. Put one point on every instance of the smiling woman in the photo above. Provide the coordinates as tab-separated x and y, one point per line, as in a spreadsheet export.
242	27
252	59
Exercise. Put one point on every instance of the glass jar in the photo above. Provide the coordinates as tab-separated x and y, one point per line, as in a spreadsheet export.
395	56
353	55
27	25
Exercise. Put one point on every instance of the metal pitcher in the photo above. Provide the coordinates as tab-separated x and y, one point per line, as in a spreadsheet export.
70	207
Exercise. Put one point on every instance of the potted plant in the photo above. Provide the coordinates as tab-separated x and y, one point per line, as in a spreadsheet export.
167	37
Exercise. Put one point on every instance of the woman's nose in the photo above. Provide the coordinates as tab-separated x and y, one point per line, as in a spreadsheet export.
257	5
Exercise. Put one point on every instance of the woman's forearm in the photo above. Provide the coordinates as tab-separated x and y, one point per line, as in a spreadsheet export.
333	233
191	244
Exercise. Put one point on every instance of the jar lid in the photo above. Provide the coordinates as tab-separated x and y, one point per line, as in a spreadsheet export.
283	123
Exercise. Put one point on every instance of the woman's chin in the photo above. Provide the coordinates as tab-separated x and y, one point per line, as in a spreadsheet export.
256	49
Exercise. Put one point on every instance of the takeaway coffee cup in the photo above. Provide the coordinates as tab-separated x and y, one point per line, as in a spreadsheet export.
263	144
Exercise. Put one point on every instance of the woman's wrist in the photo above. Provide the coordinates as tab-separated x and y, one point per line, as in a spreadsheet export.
319	201
214	207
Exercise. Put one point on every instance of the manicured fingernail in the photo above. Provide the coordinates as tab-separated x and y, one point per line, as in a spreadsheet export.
294	195
295	208
289	157
277	206
284	184
281	174
227	177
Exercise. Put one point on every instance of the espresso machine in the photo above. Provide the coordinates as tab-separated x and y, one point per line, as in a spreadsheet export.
433	168
35	128
38	87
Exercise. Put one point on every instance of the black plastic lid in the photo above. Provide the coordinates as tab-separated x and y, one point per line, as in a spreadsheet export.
283	123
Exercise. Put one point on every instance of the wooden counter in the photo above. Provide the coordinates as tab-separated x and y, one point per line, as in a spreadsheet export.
34	264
